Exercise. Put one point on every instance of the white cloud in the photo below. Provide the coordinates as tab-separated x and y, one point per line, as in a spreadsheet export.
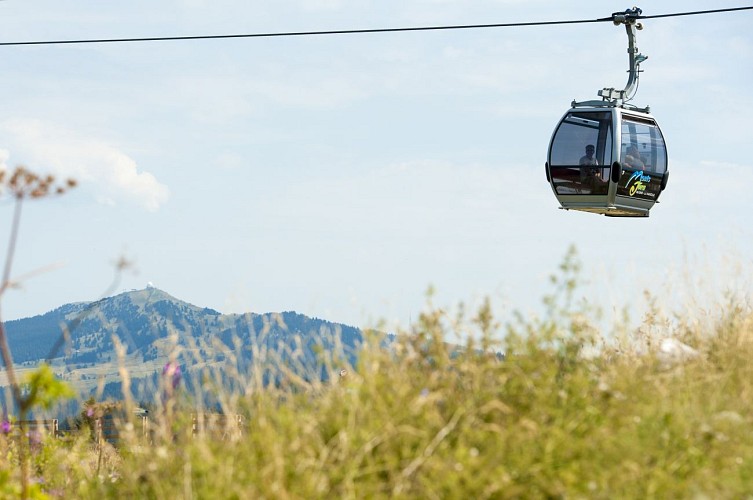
111	173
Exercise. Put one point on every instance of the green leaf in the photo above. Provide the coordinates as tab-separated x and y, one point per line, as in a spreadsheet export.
45	389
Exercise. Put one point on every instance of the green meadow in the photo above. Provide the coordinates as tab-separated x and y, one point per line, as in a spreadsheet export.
528	407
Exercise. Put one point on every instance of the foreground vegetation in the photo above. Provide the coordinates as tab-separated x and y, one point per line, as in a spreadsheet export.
562	414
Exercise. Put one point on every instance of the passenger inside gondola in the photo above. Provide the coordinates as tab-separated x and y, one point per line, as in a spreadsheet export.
590	177
588	158
632	158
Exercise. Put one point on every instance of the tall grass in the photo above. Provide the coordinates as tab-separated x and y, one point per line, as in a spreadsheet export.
563	412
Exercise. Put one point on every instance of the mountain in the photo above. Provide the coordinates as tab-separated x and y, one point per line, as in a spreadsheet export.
155	327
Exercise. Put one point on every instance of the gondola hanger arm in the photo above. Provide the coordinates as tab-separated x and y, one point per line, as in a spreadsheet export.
630	19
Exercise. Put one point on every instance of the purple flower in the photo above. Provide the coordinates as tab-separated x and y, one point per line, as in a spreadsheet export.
172	371
35	437
5	426
90	412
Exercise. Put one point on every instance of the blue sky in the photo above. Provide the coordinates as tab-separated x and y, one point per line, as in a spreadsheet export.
341	176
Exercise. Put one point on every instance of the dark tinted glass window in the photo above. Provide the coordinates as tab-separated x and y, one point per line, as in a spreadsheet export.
578	131
642	147
581	153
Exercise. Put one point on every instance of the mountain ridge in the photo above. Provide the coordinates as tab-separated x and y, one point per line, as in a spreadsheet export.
154	327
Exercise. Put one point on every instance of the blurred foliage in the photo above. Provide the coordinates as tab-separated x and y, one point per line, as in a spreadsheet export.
537	408
44	389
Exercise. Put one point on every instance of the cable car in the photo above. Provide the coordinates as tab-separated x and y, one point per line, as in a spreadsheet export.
609	157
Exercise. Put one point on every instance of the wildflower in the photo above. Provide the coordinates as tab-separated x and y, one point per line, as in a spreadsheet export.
5	426
35	438
172	372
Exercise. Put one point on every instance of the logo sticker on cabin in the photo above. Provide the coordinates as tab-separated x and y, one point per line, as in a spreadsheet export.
637	183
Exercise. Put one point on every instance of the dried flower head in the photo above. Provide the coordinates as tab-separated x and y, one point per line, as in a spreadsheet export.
23	183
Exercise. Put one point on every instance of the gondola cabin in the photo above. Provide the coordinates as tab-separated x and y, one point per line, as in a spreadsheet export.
609	156
607	159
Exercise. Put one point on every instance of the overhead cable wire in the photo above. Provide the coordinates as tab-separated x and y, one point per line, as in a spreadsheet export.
354	31
695	13
301	33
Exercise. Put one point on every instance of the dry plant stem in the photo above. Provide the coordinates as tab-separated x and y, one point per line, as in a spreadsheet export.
125	377
11	244
4	347
22	183
8	361
8	357
99	451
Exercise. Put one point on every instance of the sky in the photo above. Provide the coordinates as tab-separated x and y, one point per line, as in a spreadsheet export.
343	176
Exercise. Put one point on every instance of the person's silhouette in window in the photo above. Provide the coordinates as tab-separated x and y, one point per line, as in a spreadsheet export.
588	159
633	159
590	177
